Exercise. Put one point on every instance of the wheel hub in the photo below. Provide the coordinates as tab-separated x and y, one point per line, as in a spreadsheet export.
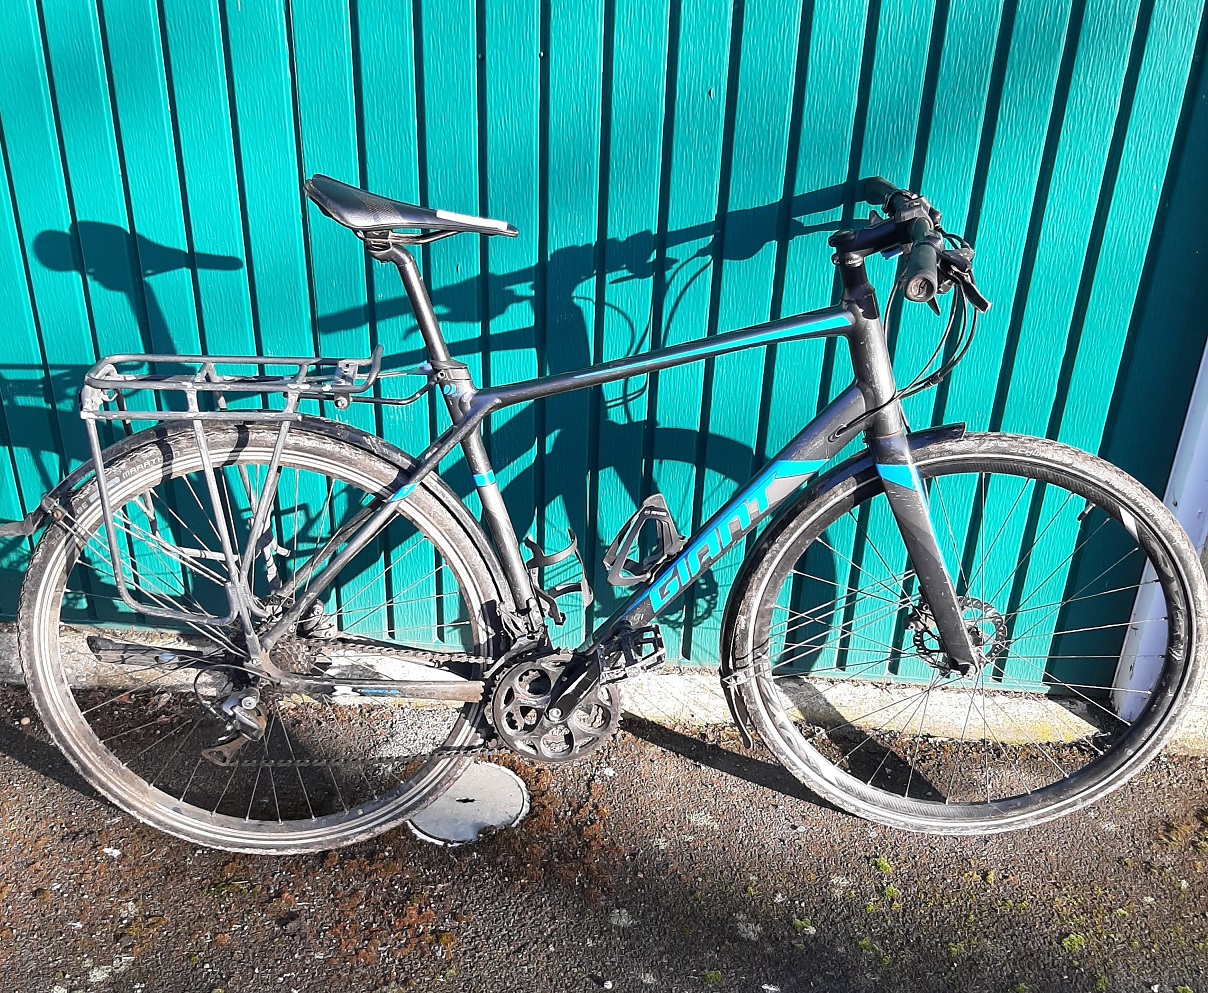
987	630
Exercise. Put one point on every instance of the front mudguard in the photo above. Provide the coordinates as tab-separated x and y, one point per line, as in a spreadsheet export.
734	671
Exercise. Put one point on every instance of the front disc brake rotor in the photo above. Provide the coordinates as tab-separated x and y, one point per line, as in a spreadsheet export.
987	630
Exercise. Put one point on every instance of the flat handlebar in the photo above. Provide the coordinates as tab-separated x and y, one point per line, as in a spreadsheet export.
877	191
912	226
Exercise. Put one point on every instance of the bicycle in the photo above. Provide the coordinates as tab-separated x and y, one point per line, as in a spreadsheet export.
913	635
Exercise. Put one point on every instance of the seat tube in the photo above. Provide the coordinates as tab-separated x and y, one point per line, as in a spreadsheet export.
458	390
886	438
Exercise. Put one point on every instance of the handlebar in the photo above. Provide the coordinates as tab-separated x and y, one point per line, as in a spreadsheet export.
912	227
920	276
876	191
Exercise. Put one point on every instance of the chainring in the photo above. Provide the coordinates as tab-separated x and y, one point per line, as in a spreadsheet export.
518	710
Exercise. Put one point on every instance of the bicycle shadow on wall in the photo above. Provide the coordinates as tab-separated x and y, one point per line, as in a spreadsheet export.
119	261
114	260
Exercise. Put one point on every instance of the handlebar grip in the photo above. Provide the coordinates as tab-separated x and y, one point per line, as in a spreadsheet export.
920	277
876	191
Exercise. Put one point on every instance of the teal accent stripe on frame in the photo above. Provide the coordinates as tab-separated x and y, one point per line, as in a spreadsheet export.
899	475
402	492
485	480
790	469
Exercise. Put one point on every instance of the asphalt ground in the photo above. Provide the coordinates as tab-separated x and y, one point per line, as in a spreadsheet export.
672	860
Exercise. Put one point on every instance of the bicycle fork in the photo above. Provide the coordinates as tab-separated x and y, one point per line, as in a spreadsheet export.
887	441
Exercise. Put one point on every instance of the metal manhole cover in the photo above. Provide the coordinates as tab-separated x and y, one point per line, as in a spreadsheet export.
485	796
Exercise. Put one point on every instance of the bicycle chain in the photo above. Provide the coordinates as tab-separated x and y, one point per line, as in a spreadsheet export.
468	751
418	655
301	645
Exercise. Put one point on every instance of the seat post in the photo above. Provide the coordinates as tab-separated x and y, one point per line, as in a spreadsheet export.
417	293
458	391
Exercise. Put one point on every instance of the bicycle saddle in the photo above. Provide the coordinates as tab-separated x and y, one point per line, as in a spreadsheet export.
362	211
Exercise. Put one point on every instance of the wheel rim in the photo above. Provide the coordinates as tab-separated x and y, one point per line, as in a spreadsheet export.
848	708
375	763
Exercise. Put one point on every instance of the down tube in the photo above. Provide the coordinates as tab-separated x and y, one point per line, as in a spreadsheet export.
797	461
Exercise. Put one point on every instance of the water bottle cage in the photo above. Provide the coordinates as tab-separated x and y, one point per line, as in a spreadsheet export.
626	571
539	561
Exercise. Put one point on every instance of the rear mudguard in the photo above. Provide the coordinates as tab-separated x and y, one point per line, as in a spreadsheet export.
858	465
51	506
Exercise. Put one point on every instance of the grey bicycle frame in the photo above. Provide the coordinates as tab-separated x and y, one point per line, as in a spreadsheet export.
869	404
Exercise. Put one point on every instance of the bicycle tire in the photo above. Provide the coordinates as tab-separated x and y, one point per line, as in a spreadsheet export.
818	753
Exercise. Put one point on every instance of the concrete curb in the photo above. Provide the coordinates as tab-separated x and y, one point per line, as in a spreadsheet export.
691	696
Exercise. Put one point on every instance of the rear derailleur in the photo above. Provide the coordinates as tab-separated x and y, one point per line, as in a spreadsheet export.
241	711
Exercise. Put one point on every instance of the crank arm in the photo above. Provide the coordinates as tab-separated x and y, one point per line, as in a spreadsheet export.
129	653
579	679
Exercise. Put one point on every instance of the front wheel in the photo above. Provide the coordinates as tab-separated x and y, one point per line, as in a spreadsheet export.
841	672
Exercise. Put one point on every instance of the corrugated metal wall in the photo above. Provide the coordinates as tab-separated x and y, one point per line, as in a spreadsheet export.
674	168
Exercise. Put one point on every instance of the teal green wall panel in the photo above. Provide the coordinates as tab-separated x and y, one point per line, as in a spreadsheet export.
674	168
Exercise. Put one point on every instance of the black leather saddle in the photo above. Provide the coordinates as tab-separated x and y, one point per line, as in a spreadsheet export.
362	211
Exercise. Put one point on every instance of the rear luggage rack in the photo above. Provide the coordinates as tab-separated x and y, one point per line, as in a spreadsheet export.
198	394
312	379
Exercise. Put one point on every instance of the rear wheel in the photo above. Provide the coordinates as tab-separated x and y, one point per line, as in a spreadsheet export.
143	706
1048	547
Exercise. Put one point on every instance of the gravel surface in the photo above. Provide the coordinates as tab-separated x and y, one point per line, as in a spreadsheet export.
670	861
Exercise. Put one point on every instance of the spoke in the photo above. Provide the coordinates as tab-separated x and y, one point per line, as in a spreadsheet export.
193	534
922	698
330	771
964	730
800	651
365	612
124	524
1035	542
807	619
821	540
872	713
845	586
294	758
327	549
189	783
918	741
1047	676
201	506
850	672
141	685
176	751
272	777
1078	599
935	486
373	579
1001	528
1028	734
1057	609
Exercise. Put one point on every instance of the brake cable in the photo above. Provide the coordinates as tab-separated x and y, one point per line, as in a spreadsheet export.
919	383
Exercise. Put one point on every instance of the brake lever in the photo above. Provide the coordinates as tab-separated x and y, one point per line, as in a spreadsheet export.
972	293
957	267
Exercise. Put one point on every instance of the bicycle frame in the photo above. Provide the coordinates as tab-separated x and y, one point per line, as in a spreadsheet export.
868	404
